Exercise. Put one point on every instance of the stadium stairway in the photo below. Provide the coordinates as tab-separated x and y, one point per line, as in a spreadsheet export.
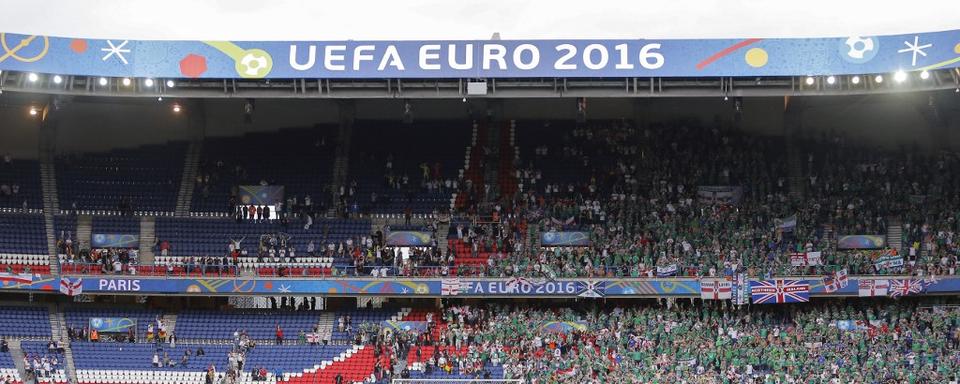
148	237
84	230
58	331
325	325
170	321
191	165
341	163
471	164
895	233
16	353
51	206
443	229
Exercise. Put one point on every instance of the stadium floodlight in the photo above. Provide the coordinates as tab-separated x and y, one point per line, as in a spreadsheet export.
33	77
103	81
176	108
33	111
126	81
924	74
57	79
878	79
170	84
159	98
855	80
809	80
148	82
831	79
725	98
900	76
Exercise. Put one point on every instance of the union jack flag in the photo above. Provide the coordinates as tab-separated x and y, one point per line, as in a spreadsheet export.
780	291
906	287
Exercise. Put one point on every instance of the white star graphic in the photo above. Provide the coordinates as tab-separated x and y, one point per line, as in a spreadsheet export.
404	290
915	48
116	50
284	288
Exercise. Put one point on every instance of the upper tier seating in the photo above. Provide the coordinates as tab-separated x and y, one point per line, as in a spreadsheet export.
299	159
148	176
439	146
24	176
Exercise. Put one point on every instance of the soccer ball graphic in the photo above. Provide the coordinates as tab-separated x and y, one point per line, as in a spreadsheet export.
254	63
858	49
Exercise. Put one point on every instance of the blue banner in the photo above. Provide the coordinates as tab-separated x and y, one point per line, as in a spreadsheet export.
261	194
409	239
466	287
418	326
112	324
746	57
565	239
861	242
114	240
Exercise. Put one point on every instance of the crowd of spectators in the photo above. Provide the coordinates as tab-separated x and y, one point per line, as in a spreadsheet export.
637	192
827	342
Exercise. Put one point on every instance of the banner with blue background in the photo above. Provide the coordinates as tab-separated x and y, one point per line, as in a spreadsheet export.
565	239
261	194
409	239
747	57
112	324
114	240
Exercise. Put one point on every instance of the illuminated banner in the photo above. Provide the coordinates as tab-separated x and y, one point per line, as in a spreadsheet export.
261	194
114	240
112	324
479	58
565	239
409	239
861	242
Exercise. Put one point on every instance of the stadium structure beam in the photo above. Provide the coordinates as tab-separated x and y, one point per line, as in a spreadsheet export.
641	87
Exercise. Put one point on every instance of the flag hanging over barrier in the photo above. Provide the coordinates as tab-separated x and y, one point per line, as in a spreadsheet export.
716	290
780	291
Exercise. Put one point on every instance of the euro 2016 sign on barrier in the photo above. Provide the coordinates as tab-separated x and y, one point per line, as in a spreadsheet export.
748	57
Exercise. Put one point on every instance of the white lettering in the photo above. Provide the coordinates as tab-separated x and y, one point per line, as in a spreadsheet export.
494	52
329	57
358	55
467	60
429	52
588	56
534	56
391	58
311	58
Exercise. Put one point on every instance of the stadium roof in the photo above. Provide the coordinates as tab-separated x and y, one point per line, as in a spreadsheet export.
472	19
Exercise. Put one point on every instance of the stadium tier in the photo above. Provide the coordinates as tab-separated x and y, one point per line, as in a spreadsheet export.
123	180
720	211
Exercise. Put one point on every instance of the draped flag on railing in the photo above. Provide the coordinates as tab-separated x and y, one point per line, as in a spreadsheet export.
452	287
870	288
836	281
780	291
906	287
16	278
716	289
741	290
71	287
